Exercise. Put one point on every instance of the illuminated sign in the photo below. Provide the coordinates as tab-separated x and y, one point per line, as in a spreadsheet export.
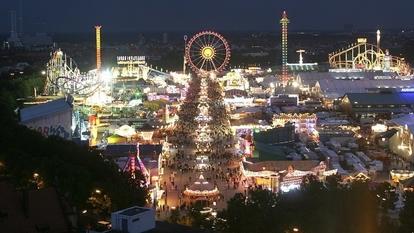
130	58
362	40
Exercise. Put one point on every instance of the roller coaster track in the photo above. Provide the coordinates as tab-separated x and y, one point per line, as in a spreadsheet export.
64	77
367	56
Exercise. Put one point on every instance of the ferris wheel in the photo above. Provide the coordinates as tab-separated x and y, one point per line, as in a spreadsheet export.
207	51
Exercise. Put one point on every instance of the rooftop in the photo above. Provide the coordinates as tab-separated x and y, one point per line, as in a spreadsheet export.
302	165
397	98
134	211
405	120
41	110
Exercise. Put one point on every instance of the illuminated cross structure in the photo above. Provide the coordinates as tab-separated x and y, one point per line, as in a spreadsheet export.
284	43
300	51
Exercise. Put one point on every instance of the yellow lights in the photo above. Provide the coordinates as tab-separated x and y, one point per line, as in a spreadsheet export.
295	229
98	47
367	56
208	52
361	40
284	38
98	191
397	175
35	175
379	128
84	211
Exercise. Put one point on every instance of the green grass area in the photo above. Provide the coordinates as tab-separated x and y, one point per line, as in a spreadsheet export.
266	152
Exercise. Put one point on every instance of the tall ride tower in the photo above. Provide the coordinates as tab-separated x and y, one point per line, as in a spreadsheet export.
98	48
284	21
378	41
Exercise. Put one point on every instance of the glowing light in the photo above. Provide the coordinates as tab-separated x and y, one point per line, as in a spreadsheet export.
208	52
284	43
379	128
290	187
98	191
98	47
43	72
295	229
84	211
106	76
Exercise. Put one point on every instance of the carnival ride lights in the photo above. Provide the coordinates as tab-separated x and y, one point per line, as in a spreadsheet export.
64	77
365	56
284	21
406	140
207	51
398	175
201	188
98	47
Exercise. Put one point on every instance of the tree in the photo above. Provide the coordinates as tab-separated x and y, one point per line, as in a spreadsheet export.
197	219
407	214
175	216
253	213
316	207
386	196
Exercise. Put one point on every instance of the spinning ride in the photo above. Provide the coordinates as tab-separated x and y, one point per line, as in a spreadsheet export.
207	51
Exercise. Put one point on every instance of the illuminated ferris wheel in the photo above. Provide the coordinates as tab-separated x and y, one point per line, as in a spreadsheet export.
207	51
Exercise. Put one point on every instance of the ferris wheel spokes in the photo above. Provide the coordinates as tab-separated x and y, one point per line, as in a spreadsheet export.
207	51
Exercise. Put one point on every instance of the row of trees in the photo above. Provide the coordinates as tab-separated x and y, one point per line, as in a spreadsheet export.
316	208
31	161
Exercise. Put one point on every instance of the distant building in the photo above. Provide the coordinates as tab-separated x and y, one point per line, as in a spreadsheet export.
333	85
52	118
284	176
384	104
283	100
304	123
133	220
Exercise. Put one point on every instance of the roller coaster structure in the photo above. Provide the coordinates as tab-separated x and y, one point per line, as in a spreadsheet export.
365	56
64	77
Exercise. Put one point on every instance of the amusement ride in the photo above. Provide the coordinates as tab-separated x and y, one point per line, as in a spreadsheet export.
202	133
207	51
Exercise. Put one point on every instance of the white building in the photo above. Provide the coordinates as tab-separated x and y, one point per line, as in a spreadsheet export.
133	220
53	118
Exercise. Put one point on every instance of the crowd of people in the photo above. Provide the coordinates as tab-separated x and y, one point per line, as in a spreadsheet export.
202	131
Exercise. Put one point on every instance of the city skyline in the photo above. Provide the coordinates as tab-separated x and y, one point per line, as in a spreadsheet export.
161	15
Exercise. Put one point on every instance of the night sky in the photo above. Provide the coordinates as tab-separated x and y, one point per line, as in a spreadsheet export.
170	15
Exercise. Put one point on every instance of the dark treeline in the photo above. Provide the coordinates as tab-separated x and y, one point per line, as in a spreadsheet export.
358	207
30	161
